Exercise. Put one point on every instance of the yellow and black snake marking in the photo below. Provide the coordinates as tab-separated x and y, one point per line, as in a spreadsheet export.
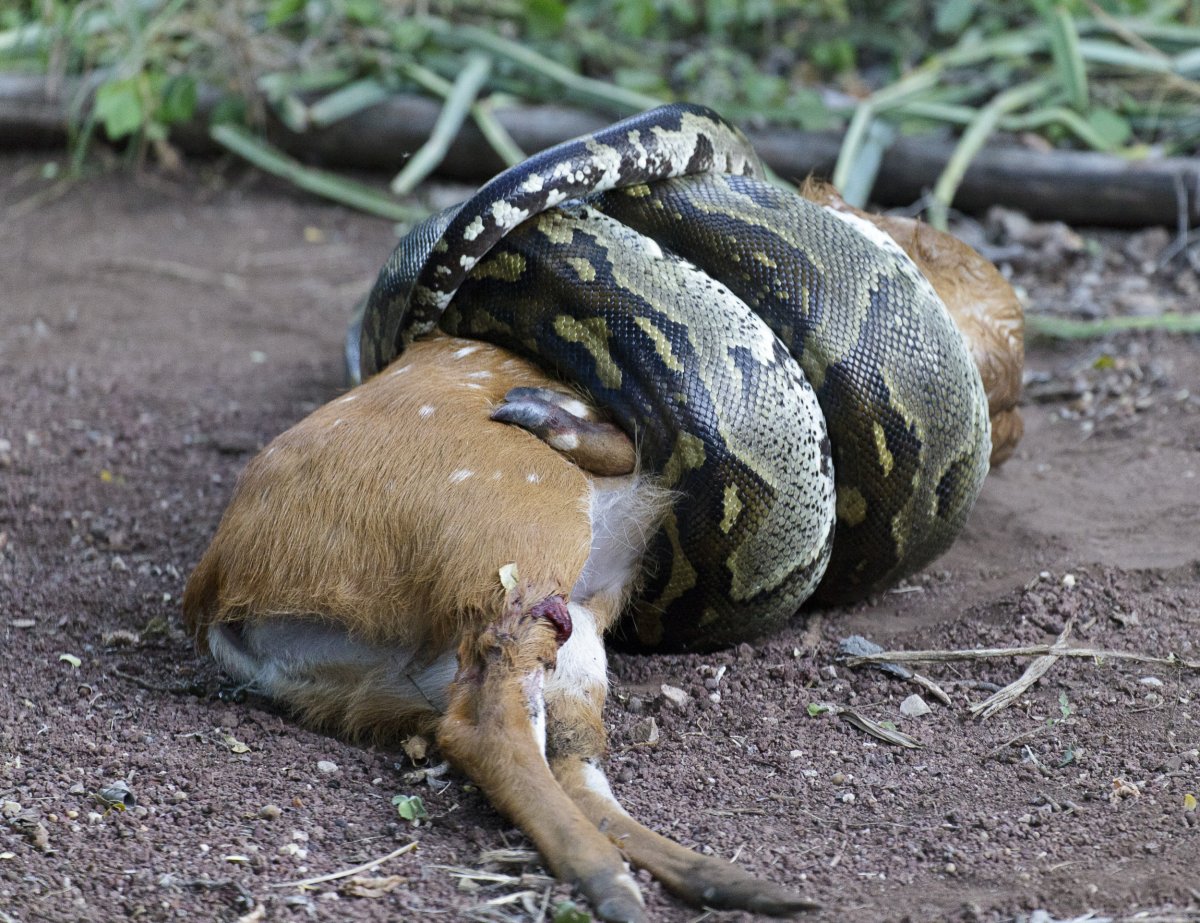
757	347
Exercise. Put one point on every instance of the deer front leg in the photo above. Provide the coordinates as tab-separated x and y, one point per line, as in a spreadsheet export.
494	730
576	741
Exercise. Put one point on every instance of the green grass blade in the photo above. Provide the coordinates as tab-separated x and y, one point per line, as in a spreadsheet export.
1066	328
860	178
1068	62
597	91
449	121
972	141
346	101
483	112
328	185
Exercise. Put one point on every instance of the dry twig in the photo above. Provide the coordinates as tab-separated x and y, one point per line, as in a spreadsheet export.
346	873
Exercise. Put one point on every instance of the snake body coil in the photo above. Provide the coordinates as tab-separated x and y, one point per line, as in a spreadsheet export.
698	303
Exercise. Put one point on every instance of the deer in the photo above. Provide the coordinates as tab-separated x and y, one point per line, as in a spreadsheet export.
443	549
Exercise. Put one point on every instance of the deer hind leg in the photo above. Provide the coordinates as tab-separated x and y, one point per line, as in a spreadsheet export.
576	741
333	679
568	425
494	730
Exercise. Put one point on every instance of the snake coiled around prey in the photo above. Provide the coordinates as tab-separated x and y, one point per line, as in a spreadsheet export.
784	367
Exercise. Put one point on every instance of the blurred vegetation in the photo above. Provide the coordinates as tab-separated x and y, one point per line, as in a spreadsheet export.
1112	75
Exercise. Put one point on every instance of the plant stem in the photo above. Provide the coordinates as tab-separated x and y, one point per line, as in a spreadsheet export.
328	185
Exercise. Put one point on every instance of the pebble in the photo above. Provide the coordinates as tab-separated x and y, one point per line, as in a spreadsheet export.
270	812
838	778
674	695
914	707
646	732
179	796
327	766
1151	681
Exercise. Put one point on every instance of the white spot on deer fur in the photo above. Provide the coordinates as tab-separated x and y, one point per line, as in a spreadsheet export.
347	399
576	408
565	442
534	684
597	783
532	477
474	385
474	229
338	422
465	351
401	370
461	475
427	410
482	373
581	671
496	475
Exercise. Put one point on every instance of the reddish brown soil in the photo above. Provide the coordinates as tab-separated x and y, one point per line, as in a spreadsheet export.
155	332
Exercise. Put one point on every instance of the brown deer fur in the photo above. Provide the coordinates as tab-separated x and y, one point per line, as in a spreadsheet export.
984	307
356	577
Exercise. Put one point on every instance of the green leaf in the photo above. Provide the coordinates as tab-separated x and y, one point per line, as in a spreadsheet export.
569	912
952	16
816	708
545	18
411	808
280	11
119	107
1110	126
363	12
178	100
229	110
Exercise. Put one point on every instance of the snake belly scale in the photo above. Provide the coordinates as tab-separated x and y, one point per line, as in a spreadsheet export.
759	348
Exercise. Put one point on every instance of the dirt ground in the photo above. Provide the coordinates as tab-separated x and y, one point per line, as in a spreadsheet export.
154	332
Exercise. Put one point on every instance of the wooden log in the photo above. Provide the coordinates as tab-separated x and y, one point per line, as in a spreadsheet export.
1078	187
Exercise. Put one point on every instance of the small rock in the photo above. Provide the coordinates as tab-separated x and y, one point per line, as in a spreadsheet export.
674	695
646	732
327	766
1151	681
179	796
848	798
914	707
794	754
77	789
10	808
636	705
838	778
1068	581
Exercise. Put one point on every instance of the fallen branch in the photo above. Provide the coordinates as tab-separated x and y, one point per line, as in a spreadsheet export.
1014	690
1078	187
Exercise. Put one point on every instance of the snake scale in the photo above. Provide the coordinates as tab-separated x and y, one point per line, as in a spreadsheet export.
785	368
